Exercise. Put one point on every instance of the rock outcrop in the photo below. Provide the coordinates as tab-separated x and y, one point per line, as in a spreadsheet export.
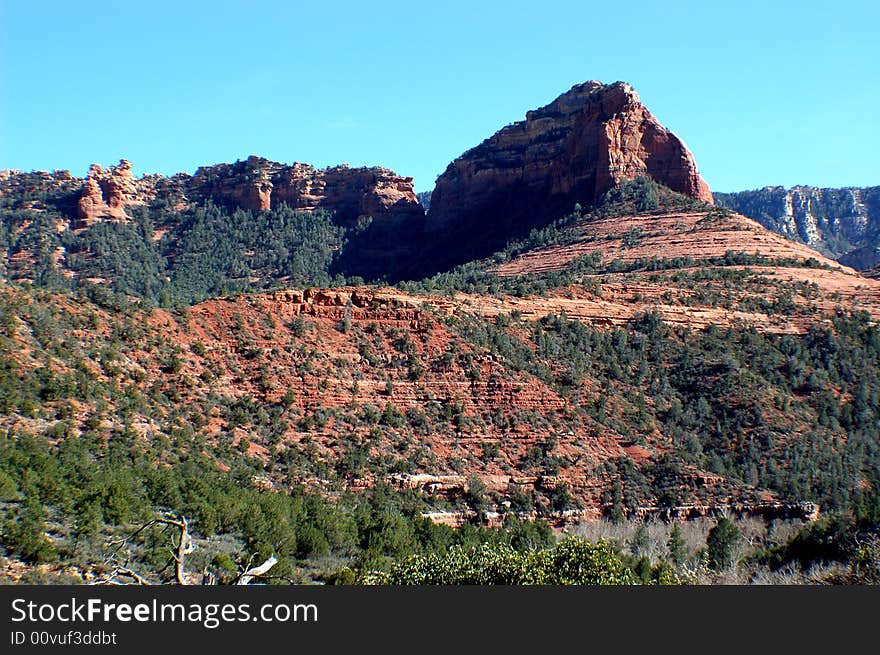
571	151
386	246
841	223
259	184
255	184
106	193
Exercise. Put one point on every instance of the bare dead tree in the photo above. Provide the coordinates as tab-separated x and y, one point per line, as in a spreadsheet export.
122	575
181	546
257	571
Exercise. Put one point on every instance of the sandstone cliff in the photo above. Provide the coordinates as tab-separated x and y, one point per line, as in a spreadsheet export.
255	184
259	184
106	193
841	223
571	151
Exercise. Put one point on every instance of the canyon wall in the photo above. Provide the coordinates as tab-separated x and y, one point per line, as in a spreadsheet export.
841	223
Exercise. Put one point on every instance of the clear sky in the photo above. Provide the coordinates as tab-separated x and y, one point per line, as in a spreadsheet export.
762	92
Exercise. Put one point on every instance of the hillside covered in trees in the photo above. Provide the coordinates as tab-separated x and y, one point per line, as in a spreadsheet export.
648	358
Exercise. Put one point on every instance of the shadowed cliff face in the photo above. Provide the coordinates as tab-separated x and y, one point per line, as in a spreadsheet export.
571	151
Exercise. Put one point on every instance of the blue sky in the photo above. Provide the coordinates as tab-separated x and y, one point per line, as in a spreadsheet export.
762	92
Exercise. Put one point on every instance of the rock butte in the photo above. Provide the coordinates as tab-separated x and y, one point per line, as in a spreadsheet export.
571	151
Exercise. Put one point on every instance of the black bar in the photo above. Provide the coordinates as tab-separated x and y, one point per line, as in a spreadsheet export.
685	619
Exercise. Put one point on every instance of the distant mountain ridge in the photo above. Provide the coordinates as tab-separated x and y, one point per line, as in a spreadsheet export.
841	223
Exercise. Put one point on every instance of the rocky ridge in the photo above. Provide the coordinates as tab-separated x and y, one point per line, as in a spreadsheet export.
255	184
840	223
107	192
570	152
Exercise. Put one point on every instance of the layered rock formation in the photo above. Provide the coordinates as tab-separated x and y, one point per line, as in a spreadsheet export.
255	184
259	184
106	193
571	151
841	223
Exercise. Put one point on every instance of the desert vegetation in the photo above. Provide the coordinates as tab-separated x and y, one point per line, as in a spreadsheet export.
455	430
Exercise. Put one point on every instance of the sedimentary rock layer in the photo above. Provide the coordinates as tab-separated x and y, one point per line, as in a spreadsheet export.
571	151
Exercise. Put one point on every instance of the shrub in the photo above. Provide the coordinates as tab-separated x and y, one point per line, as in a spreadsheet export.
571	562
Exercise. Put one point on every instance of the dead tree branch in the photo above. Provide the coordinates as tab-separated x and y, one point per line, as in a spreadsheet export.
257	571
181	546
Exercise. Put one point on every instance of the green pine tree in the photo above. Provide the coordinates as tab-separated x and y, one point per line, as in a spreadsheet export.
676	546
721	542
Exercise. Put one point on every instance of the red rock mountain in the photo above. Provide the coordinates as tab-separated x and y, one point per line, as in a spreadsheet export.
571	151
256	184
